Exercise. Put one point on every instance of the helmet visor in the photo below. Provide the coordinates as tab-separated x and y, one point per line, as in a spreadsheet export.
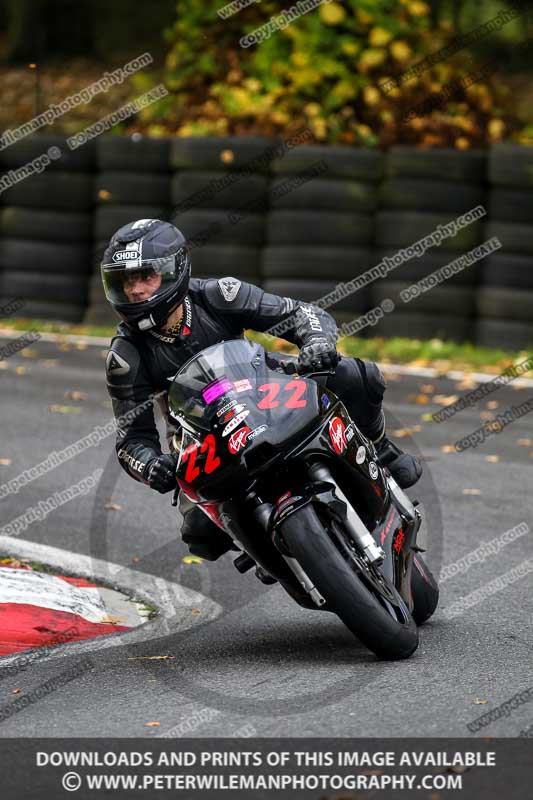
132	280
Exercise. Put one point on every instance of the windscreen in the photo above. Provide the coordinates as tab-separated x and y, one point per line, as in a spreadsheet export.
235	378
223	371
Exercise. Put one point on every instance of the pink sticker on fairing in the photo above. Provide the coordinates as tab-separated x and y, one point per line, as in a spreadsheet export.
216	390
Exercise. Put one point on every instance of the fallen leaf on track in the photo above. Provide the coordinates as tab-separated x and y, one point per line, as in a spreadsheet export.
75	395
493	458
479	702
192	560
419	399
427	388
152	724
471	491
20	370
401	433
493	404
467	383
59	409
448	448
445	399
525	442
113	507
5	462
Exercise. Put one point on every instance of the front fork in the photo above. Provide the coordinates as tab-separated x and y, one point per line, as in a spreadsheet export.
326	491
263	514
353	522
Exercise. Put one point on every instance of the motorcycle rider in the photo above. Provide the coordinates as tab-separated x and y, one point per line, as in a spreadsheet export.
168	317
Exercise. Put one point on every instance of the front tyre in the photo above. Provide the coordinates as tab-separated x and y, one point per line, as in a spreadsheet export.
359	594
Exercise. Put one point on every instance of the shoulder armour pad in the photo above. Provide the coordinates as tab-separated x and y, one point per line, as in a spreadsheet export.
227	294
229	288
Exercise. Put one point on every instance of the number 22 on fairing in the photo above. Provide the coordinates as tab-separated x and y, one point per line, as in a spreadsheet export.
272	390
212	462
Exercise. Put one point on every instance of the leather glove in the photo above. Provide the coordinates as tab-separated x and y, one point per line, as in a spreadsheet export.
160	473
318	353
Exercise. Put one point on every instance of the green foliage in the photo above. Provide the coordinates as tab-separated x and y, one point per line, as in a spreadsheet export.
324	70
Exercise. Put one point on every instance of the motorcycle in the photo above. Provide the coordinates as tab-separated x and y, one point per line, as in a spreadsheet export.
275	461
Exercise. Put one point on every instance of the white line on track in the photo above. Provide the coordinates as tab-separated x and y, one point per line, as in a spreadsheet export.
174	602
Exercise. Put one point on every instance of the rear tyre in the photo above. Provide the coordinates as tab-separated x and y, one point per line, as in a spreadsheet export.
361	596
425	591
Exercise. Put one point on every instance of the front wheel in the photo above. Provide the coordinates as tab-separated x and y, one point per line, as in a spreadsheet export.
358	593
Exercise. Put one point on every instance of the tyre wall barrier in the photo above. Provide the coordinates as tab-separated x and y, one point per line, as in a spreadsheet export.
46	215
296	221
504	298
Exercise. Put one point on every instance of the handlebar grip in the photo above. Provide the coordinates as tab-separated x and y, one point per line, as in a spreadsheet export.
289	367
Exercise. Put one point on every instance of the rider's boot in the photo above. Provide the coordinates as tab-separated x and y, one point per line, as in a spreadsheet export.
404	468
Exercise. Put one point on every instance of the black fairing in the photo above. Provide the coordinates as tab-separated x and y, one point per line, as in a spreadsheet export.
300	417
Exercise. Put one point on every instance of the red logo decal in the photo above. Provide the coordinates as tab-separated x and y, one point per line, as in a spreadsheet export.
337	434
243	385
229	415
386	531
398	542
185	330
237	440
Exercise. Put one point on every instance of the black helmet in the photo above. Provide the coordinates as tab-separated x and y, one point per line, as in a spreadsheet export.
156	250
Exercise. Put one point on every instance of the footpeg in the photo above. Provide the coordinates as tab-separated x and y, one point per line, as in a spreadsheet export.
264	577
243	563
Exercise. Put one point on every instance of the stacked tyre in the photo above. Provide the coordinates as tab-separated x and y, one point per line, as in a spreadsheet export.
320	225
422	190
505	297
132	182
45	227
219	194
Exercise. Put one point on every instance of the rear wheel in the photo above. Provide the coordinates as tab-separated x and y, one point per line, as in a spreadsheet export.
367	603
425	591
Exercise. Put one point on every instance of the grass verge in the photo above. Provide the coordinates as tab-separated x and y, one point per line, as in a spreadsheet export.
443	355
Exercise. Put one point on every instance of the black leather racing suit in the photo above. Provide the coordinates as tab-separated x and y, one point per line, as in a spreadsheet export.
140	365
